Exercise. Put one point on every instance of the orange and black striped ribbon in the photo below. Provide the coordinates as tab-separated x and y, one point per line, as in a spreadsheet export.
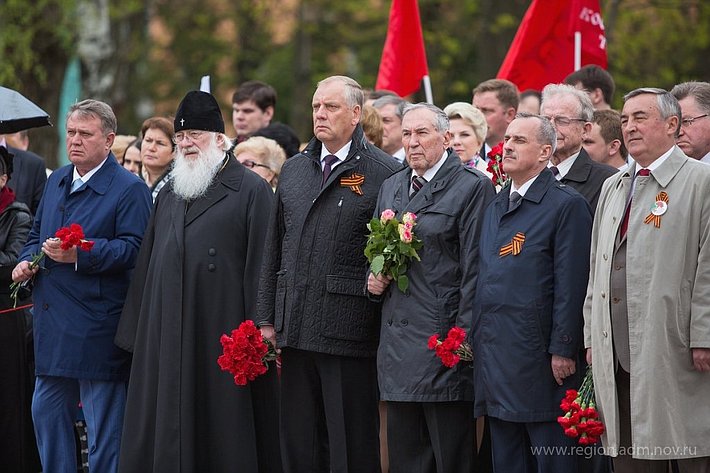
353	182
514	247
656	219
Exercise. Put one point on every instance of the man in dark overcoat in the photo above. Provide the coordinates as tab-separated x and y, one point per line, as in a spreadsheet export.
422	394
196	279
570	110
534	258
312	298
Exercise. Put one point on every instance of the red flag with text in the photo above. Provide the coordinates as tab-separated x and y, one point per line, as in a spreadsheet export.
403	63
542	51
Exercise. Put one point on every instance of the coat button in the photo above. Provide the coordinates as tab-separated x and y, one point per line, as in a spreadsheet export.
211	252
404	322
211	267
617	267
389	322
605	256
615	300
566	338
605	333
603	294
45	306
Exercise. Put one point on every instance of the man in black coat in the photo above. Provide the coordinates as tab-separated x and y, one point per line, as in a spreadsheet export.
571	111
196	279
312	290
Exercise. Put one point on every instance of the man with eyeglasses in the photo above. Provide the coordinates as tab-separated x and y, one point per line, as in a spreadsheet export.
694	135
196	279
570	111
647	309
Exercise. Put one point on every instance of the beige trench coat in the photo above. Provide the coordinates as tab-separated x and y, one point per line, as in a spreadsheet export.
668	291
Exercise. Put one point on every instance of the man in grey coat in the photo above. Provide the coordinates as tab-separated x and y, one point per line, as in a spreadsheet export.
429	410
647	310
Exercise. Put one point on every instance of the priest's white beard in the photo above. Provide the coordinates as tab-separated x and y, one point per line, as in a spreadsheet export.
192	177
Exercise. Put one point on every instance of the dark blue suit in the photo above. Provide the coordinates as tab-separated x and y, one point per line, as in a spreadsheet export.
528	308
76	310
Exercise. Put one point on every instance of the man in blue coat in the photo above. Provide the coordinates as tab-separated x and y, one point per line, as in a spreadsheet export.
534	260
78	295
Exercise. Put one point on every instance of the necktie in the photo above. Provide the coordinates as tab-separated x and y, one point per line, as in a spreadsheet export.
514	198
625	222
555	171
76	185
329	161
417	184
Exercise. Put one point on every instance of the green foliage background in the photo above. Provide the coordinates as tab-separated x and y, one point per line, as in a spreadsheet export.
163	47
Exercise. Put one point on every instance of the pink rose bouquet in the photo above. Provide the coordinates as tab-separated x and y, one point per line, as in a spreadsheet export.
391	245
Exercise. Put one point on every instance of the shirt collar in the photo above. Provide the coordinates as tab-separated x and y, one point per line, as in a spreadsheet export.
657	163
565	165
341	154
431	172
524	188
399	155
85	178
3	143
706	159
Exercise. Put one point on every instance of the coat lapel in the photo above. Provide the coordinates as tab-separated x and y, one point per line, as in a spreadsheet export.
582	166
665	173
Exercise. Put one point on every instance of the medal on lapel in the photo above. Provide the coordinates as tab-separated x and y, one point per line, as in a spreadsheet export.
658	209
354	181
514	247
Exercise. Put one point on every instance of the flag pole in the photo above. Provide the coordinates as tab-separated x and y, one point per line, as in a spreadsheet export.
427	89
577	50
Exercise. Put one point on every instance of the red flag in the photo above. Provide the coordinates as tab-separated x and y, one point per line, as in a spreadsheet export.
403	63
542	51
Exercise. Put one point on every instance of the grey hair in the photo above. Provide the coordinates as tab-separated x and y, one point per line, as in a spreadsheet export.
399	104
352	91
95	108
546	133
700	91
440	122
668	105
585	110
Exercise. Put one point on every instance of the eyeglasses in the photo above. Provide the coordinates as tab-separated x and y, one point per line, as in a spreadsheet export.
563	121
252	164
690	121
193	135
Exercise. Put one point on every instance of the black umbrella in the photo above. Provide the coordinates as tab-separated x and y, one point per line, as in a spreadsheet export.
18	113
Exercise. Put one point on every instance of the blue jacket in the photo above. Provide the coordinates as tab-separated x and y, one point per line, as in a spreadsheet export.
76	311
528	306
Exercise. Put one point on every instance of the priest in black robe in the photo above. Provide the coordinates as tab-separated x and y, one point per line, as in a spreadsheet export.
196	279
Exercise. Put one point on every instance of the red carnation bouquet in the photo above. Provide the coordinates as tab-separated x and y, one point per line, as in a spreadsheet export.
246	353
453	349
69	237
495	165
581	419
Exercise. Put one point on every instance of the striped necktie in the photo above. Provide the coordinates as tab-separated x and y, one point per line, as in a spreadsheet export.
417	184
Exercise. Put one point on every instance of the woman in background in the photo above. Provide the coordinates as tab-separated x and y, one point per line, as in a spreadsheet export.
120	144
132	158
18	449
468	133
263	156
157	152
